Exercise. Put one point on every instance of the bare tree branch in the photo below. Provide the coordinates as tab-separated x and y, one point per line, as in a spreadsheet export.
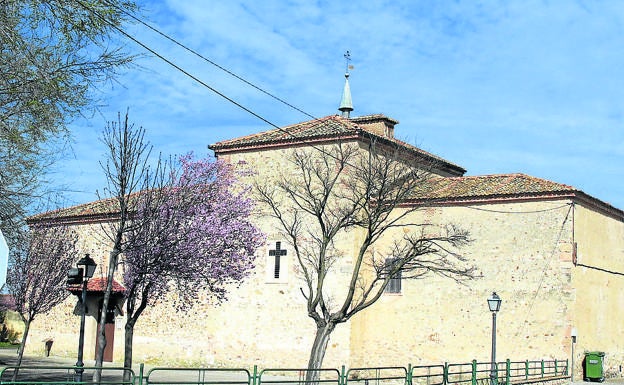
359	191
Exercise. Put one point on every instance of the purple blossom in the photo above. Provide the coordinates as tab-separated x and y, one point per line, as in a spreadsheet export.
192	233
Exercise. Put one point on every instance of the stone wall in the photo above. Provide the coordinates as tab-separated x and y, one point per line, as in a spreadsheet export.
598	288
523	250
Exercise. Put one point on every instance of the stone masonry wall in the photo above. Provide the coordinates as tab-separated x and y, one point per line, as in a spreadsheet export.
522	251
598	289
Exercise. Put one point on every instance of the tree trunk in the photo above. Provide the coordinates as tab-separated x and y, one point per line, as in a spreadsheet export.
20	351
319	347
128	349
101	336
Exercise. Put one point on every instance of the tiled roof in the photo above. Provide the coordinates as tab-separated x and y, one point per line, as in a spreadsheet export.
98	285
323	129
490	186
100	210
438	190
328	126
489	189
102	207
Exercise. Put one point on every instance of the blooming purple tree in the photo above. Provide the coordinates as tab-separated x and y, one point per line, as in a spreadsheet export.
37	277
190	233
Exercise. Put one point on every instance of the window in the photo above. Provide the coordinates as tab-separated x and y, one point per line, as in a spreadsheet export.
394	286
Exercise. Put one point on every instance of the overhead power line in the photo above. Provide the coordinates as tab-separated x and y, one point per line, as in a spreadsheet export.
175	41
195	78
600	269
161	57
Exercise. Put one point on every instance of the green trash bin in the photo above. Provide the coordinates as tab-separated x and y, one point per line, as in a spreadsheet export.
594	366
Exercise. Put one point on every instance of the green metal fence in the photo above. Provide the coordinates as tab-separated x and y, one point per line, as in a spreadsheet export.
59	375
471	373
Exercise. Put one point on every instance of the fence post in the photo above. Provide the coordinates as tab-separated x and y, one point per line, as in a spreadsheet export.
408	376
568	369
542	368
342	377
526	369
141	368
507	372
556	371
474	372
254	376
445	374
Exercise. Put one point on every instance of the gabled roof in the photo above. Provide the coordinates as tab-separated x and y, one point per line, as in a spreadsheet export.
101	210
98	285
490	186
488	189
331	128
483	189
102	207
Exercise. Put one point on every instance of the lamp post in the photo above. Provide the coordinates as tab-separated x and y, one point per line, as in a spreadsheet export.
86	265
494	303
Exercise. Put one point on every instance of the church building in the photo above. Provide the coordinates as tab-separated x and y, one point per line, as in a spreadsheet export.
553	254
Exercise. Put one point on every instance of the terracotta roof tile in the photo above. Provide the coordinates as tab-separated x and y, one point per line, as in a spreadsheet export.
318	128
98	285
453	188
484	186
99	207
329	127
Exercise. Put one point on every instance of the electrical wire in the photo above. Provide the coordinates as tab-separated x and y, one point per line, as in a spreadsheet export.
517	212
214	90
543	273
257	115
120	9
600	269
188	74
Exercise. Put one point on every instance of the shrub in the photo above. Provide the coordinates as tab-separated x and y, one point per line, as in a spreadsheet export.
8	334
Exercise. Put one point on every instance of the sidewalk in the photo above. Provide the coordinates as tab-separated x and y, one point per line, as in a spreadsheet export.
112	371
60	369
8	357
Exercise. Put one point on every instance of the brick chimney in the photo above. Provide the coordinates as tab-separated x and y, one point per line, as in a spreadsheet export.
377	124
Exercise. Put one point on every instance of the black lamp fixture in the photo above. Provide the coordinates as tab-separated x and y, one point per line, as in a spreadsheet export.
494	302
88	266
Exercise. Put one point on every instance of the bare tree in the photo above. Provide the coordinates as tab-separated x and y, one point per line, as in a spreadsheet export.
361	191
37	277
126	170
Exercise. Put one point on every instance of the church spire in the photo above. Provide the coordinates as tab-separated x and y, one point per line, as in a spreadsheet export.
346	105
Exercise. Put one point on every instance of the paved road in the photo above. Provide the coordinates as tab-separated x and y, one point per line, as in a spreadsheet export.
113	374
58	369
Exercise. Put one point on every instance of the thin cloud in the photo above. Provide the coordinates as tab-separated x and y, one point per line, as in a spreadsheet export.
533	87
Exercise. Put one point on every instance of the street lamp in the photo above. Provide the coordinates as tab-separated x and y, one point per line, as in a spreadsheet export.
494	303
86	266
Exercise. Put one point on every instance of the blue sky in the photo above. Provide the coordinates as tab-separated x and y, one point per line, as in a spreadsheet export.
532	87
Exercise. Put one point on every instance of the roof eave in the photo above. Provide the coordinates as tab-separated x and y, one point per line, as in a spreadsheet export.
358	133
575	196
272	144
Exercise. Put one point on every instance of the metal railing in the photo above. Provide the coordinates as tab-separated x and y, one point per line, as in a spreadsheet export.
471	373
52	374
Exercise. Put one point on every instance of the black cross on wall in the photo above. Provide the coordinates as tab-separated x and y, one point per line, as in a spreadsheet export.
277	253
